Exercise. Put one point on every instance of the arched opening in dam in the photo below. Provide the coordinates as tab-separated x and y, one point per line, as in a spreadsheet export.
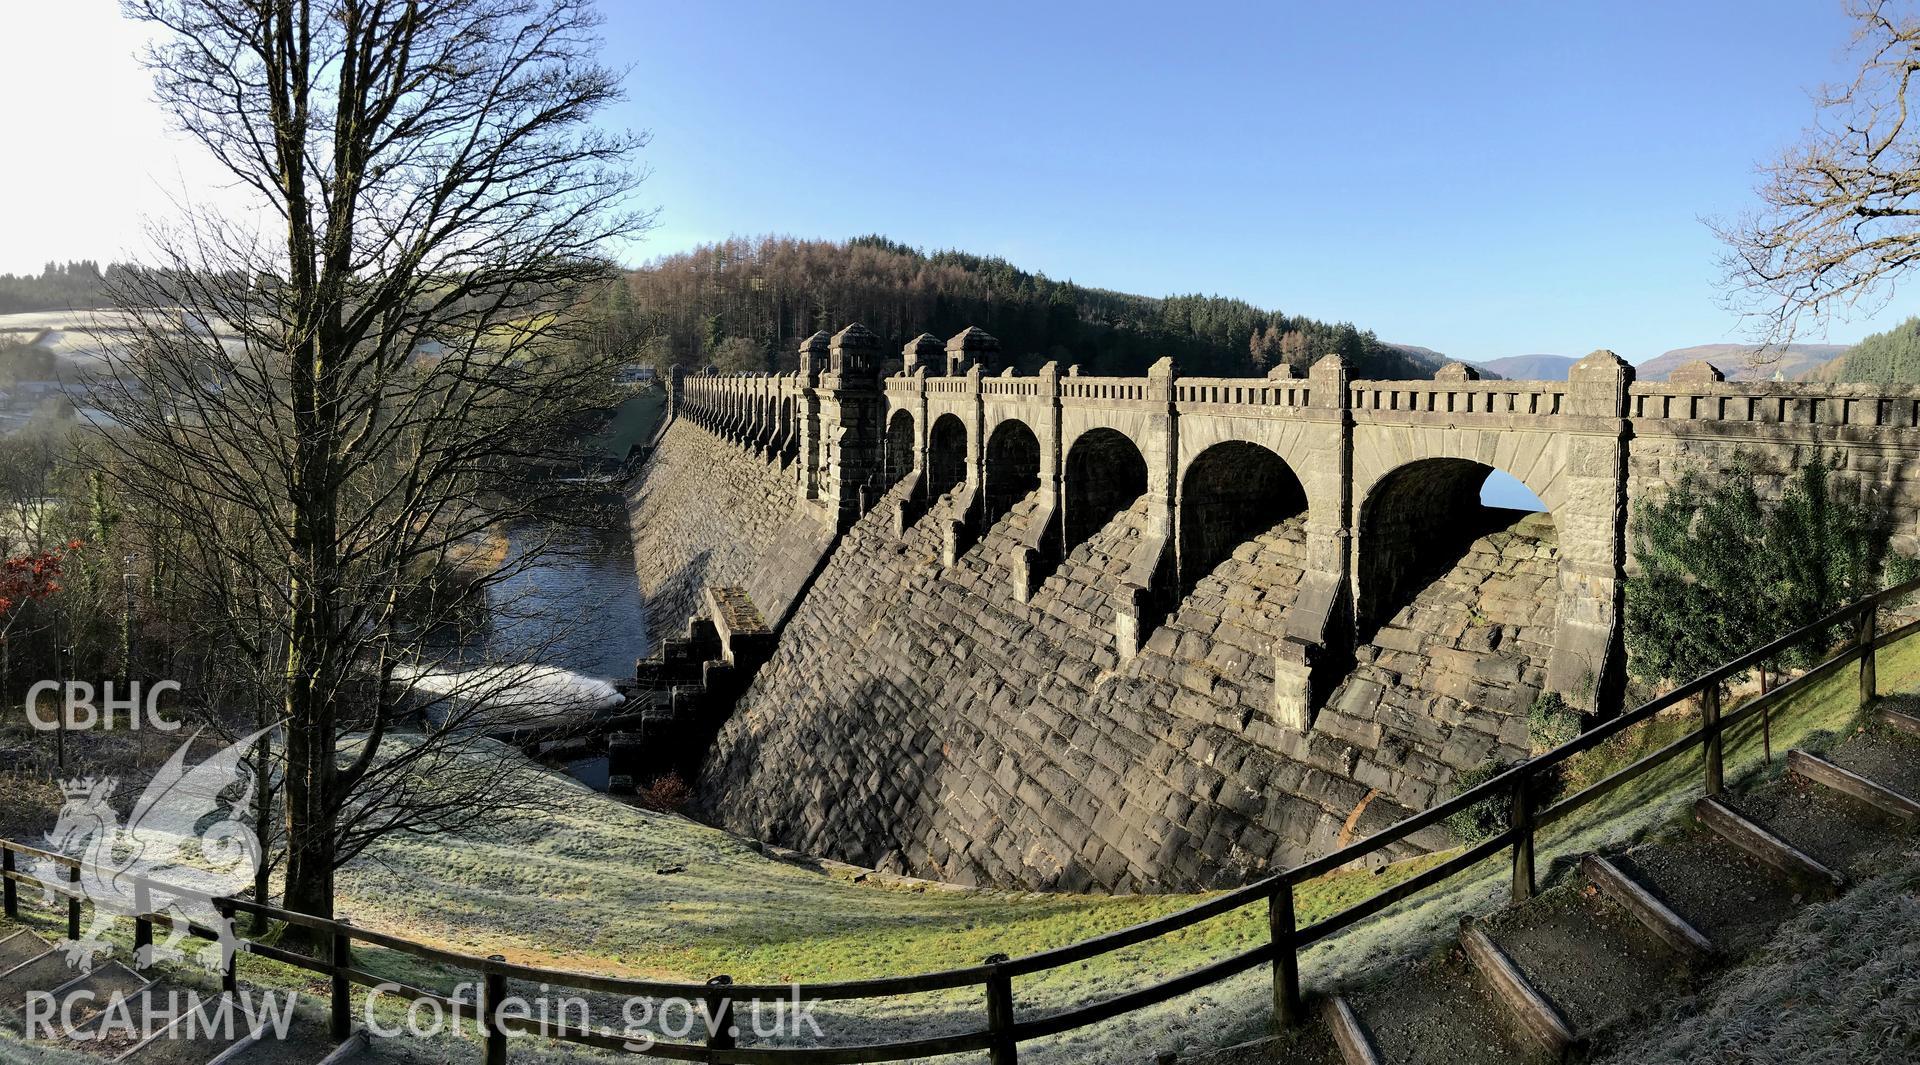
946	455
1231	492
897	460
1013	468
1418	521
1105	473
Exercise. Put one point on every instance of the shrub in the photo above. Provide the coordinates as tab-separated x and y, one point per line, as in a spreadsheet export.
1551	722
668	794
1484	819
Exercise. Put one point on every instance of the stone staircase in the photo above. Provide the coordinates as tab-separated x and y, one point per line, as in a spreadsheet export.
1561	976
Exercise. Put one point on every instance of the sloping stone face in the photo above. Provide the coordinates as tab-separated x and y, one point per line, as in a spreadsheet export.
702	512
920	719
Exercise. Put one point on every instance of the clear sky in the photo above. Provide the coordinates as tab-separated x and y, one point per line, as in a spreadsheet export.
1484	179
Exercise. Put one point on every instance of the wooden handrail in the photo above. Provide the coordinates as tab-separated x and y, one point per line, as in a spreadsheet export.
998	971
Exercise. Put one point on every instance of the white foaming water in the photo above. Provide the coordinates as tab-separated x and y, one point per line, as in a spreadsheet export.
513	695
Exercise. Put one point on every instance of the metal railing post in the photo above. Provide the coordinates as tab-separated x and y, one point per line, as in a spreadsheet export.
142	928
73	904
1522	839
1281	926
722	1034
493	1036
1005	1049
1869	679
10	893
341	1015
1710	738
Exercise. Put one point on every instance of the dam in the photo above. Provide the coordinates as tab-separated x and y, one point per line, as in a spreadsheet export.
1062	632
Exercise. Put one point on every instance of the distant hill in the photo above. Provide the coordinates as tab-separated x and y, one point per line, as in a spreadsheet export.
1530	367
1734	360
1892	357
1432	360
745	304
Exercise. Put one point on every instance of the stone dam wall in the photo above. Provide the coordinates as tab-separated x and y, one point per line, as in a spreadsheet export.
917	718
1125	634
703	512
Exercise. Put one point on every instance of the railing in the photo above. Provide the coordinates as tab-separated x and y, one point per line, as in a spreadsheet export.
1776	403
1004	1031
1106	388
1240	392
1459	397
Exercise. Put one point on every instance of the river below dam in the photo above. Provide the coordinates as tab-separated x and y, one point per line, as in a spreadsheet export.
565	621
576	604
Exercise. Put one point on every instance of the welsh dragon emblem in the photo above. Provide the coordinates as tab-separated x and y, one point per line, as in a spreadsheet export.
189	837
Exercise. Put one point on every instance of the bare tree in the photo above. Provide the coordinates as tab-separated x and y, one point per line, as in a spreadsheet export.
1841	214
339	400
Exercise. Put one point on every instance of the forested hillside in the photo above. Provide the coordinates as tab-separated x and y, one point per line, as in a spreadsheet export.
56	287
745	304
1892	357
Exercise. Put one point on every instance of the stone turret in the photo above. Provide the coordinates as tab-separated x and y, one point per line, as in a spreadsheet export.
970	347
851	433
853	351
922	351
813	354
1456	371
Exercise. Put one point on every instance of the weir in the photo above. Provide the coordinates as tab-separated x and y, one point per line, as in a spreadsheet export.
1053	630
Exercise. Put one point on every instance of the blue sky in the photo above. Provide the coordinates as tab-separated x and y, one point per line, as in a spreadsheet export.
1484	179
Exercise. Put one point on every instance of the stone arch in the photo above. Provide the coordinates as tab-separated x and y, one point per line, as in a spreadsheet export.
946	455
1416	521
1012	468
897	459
1105	473
1230	493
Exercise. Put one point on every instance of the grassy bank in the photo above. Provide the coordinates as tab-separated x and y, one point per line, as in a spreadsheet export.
601	886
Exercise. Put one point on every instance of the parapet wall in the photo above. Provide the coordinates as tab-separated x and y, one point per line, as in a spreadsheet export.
1703	425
